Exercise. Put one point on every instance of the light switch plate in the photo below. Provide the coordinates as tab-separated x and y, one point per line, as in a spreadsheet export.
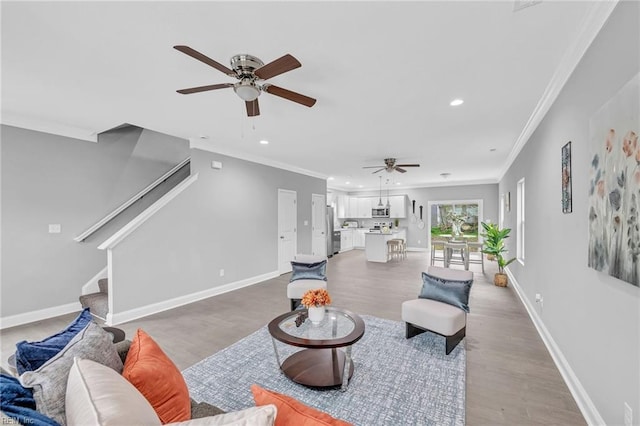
55	228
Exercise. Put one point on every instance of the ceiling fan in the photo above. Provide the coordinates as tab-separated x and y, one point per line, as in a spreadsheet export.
249	70
390	165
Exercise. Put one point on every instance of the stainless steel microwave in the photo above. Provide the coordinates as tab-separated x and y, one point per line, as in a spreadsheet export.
380	212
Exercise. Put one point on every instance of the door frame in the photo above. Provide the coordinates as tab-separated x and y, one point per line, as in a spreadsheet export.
479	202
295	230
322	221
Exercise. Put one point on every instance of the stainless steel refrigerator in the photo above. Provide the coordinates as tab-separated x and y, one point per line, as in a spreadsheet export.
331	250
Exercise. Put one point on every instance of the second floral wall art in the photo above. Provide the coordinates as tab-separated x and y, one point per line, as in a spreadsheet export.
614	190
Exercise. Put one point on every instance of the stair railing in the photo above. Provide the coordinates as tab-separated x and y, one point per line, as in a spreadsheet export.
86	234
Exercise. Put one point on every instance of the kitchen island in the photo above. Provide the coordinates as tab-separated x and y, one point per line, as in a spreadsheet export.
376	243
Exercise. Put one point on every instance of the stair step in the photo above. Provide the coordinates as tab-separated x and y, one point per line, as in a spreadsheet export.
103	285
98	304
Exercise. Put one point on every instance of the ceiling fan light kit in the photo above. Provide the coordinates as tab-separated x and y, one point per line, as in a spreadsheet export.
249	69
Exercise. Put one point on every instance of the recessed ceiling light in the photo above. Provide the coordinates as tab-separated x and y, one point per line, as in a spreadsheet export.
264	142
203	136
456	102
360	186
347	183
398	183
330	178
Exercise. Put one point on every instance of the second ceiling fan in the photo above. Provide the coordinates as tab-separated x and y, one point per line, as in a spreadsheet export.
390	166
249	70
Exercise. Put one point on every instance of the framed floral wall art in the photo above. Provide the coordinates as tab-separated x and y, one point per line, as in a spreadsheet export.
614	190
566	178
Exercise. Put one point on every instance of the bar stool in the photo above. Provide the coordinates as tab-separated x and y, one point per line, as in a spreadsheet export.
437	251
393	249
403	247
456	253
478	249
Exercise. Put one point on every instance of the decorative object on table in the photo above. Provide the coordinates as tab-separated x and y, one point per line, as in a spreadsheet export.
420	222
614	202
315	301
432	391
301	318
494	246
566	178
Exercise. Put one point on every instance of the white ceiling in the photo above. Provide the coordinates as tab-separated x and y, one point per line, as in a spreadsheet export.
383	74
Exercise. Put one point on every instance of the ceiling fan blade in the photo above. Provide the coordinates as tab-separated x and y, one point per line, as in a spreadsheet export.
377	171
401	170
408	165
252	108
277	67
289	95
207	60
204	88
371	167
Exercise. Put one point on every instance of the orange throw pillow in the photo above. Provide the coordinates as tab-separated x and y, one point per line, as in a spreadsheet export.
157	378
292	412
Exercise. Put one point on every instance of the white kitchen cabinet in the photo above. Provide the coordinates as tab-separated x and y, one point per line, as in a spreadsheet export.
353	208
342	207
398	206
359	238
364	208
346	240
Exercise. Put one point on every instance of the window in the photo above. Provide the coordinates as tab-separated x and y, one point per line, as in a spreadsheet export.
520	221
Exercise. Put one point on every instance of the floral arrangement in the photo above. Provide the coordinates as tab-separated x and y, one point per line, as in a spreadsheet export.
318	297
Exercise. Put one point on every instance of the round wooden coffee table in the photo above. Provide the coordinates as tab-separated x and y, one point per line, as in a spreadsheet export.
321	363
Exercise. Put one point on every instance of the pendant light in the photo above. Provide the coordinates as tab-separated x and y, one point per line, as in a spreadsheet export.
388	204
380	199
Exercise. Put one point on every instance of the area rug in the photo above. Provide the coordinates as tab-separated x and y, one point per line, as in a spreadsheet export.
395	382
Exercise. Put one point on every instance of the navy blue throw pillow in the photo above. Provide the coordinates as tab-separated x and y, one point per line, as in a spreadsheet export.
17	402
308	271
32	355
455	293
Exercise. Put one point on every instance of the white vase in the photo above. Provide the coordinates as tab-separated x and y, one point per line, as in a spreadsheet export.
316	314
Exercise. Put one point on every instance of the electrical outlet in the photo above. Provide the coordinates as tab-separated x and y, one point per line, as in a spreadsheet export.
628	415
222	272
540	300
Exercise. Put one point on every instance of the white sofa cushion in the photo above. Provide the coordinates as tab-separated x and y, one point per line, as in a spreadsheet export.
97	395
433	315
450	274
296	289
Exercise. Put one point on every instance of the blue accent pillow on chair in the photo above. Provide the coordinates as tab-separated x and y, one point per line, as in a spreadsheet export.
31	355
18	403
308	271
455	293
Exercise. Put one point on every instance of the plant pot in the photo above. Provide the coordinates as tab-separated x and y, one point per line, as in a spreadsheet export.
491	257
500	280
316	314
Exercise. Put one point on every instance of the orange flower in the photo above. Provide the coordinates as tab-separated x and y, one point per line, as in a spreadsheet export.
629	143
318	297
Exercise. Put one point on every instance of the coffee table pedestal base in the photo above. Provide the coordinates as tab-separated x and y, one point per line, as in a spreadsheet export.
318	367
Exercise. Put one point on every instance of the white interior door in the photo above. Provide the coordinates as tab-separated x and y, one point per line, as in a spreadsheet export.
287	232
318	225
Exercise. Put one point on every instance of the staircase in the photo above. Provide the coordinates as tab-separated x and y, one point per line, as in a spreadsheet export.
98	303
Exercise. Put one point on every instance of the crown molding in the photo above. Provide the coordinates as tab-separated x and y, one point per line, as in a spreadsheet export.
51	127
205	145
595	19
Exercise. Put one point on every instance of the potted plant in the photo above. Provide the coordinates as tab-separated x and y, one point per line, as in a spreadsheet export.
315	301
494	246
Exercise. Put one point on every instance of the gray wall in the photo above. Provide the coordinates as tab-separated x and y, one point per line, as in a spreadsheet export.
48	179
417	238
593	318
227	219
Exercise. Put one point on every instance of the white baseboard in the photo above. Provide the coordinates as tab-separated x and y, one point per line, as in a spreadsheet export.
42	314
154	308
580	395
92	285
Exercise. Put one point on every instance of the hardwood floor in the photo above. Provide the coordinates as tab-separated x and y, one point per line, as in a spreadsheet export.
511	378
